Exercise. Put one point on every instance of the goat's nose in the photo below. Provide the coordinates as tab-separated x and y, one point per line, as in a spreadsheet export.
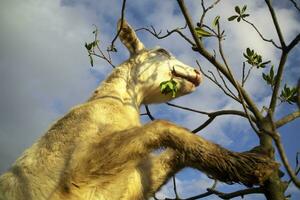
197	71
198	78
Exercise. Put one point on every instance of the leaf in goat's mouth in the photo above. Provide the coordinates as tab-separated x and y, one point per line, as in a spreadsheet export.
169	86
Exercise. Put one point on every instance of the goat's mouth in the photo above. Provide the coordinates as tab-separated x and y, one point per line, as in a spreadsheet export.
195	79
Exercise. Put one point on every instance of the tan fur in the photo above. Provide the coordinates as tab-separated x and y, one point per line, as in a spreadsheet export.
88	153
100	150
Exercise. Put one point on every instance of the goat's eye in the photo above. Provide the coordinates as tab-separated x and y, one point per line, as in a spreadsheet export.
164	52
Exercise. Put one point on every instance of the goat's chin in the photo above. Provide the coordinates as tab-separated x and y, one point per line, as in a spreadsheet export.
186	87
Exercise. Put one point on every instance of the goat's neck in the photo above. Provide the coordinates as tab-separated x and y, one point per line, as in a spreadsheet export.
120	88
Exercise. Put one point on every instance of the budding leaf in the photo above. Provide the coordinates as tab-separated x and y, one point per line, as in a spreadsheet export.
244	8
216	20
202	33
91	60
232	18
237	10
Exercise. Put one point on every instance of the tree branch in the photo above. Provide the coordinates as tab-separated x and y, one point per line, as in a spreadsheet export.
149	113
234	82
295	4
285	161
212	115
293	43
278	78
159	36
259	33
276	24
215	81
287	119
200	48
241	193
112	45
271	130
205	10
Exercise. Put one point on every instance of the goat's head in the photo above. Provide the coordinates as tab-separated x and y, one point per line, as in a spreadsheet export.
150	67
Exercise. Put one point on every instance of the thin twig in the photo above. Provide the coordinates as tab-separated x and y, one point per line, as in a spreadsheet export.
112	45
211	115
159	36
260	34
214	80
149	113
241	193
175	188
225	84
245	77
295	4
205	10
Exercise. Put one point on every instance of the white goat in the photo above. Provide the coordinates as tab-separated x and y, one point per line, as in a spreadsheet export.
100	150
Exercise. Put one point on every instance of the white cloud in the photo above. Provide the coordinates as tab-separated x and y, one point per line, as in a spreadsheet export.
44	68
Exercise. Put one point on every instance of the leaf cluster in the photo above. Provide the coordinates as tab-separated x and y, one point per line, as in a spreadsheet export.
169	86
254	59
91	46
270	78
240	14
288	95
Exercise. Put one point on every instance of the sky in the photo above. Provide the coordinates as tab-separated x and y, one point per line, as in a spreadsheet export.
44	70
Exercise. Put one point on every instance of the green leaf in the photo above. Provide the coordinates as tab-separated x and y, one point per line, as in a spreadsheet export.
265	77
245	15
202	33
237	9
249	52
239	19
288	95
272	73
88	46
232	18
244	8
169	86
91	60
246	56
216	21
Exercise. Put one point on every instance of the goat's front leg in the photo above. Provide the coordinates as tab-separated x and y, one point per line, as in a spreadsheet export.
159	169
222	164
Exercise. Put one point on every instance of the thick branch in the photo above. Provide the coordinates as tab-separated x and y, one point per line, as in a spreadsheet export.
287	119
200	48
277	81
276	24
285	161
293	43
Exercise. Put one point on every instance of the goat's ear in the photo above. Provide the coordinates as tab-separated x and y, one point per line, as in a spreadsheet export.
129	38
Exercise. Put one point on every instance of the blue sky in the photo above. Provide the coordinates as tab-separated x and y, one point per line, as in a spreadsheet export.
44	70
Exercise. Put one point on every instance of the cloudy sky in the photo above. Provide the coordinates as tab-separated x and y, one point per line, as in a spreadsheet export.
44	70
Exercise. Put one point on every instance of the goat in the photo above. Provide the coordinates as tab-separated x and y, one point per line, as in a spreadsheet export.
100	150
